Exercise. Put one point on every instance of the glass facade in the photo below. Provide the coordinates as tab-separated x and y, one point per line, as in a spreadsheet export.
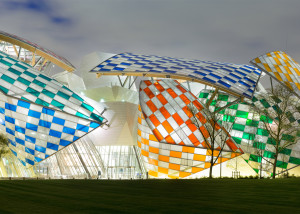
172	145
249	133
238	79
48	125
39	115
83	160
281	67
10	166
121	162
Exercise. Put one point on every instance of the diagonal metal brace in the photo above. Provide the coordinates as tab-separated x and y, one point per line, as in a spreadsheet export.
230	104
211	98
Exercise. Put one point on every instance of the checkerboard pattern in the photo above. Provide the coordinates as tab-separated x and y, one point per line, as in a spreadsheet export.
40	115
35	132
240	79
282	67
249	133
170	160
20	80
165	107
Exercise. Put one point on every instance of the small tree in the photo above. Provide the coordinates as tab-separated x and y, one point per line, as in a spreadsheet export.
255	142
3	145
279	105
214	135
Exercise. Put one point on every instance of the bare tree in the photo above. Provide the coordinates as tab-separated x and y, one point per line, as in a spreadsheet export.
276	108
214	135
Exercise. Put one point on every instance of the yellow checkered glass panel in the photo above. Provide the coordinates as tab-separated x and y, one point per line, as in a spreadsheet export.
282	67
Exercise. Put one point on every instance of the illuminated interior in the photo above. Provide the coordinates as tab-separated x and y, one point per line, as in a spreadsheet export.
131	116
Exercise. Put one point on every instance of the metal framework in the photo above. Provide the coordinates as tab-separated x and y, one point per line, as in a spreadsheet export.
31	53
84	160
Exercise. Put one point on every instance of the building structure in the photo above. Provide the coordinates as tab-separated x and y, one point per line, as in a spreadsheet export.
132	121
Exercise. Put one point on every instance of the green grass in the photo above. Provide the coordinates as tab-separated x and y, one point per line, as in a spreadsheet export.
151	196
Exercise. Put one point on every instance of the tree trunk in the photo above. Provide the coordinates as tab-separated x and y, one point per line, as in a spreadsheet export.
274	166
210	171
260	167
211	164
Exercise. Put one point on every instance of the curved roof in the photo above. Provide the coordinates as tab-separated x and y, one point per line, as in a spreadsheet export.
40	115
165	128
281	67
238	80
20	80
165	105
36	49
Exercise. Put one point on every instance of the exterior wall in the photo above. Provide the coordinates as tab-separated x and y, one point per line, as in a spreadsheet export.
84	160
131	144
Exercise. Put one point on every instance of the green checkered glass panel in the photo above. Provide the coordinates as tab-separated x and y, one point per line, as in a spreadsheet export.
248	131
20	80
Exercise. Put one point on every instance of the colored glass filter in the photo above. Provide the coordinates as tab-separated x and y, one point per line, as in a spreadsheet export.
249	133
240	80
36	132
170	160
40	115
280	66
166	108
20	80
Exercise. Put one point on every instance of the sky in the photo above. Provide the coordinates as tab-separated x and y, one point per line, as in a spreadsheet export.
233	31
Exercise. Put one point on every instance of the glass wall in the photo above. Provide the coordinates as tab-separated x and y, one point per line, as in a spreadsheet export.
80	160
10	166
83	160
121	162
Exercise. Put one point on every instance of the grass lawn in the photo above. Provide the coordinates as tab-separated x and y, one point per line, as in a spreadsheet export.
151	196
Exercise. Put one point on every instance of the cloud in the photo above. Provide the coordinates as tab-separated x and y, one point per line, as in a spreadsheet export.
40	7
34	5
227	31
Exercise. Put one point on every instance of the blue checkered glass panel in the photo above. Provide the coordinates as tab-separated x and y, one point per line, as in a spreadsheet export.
240	79
20	80
36	132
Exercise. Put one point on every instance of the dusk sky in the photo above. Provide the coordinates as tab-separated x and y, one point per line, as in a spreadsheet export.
221	30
